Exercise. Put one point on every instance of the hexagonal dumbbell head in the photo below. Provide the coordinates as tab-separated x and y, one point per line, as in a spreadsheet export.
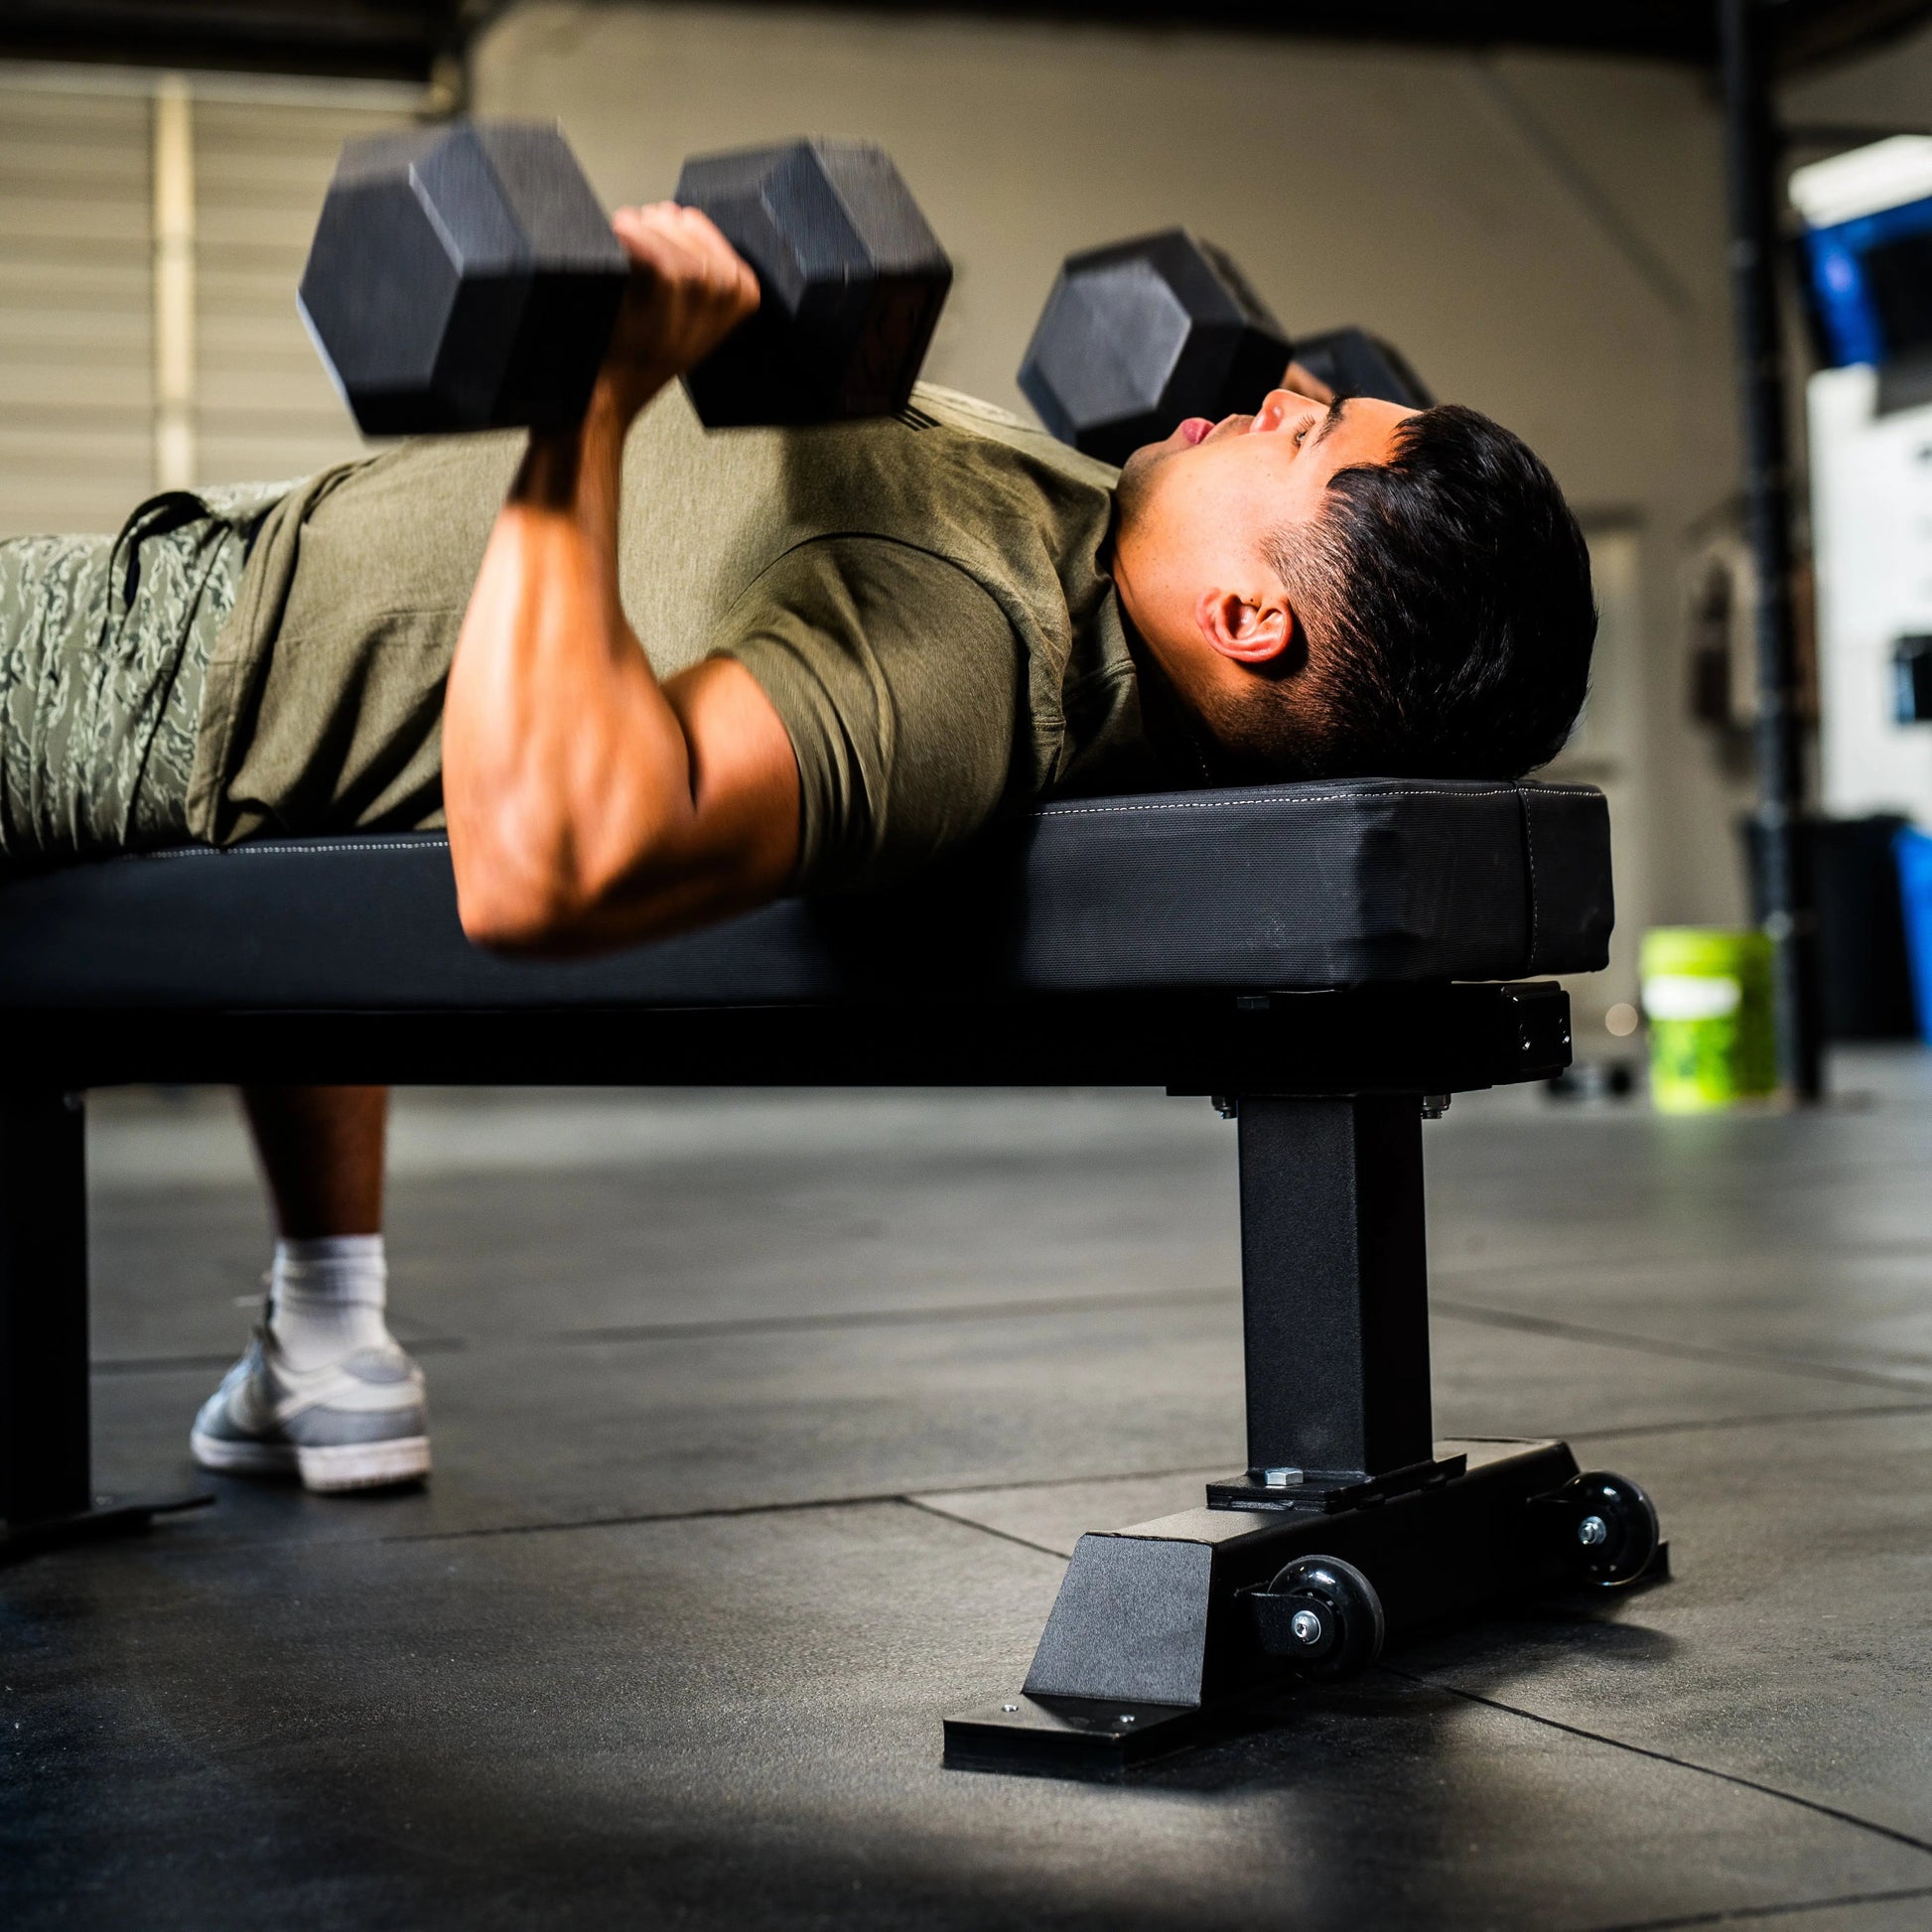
1353	363
463	278
851	281
1141	334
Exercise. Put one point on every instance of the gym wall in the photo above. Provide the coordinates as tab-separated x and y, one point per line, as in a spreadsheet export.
76	308
151	231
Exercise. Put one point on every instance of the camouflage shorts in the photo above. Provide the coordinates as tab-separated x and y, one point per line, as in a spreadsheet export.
104	646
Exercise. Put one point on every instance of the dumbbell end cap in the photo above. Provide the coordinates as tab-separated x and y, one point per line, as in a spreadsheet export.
461	278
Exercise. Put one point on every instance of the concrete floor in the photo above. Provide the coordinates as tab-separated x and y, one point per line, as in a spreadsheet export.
763	1424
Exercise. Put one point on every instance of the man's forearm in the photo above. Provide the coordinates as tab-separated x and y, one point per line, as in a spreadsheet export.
564	762
588	805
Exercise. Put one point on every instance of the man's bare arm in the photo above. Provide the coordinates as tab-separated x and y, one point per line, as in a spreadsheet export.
588	805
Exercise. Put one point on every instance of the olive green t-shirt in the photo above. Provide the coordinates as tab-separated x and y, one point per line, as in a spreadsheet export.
923	598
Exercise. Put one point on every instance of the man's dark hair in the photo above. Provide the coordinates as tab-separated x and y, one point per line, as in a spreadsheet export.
1445	602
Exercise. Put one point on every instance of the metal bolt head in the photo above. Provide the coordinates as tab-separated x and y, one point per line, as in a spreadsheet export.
1591	1531
1008	1707
1306	1626
1283	1478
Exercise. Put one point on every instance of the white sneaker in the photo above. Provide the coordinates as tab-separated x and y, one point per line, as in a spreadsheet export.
354	1424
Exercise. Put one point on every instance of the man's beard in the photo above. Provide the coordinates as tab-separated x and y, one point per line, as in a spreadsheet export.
1136	484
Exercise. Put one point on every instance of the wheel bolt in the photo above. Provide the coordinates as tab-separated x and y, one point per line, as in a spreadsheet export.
1306	1626
1591	1531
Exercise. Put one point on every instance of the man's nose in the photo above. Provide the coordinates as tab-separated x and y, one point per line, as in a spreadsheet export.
1278	405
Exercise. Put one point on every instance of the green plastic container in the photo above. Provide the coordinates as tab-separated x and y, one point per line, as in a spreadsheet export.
1706	998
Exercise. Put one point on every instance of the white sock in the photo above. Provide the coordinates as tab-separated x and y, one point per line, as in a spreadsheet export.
325	1297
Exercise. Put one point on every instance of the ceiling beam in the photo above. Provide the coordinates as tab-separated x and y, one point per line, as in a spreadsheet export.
403	40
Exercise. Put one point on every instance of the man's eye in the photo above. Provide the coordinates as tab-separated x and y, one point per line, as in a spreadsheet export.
1302	435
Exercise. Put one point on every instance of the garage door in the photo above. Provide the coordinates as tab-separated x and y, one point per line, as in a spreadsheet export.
152	229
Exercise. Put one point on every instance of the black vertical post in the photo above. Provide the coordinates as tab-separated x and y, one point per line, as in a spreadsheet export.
1334	1285
44	1469
1750	155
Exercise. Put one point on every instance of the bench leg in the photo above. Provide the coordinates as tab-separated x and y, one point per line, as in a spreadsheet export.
1334	1289
1163	1626
47	1493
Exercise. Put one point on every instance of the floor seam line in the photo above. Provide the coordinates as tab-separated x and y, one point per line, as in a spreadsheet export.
1867	1411
1736	1914
1462	1266
1476	1312
1484	1315
984	1529
1054	1482
645	1518
128	1367
1038	1307
776	1508
1479	1314
1664	1758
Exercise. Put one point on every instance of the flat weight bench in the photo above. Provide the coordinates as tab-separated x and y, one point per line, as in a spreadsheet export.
1330	962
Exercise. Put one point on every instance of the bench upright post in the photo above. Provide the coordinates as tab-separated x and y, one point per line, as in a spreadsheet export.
1335	1287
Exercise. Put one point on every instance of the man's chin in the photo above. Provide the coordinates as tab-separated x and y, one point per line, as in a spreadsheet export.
1136	472
1130	487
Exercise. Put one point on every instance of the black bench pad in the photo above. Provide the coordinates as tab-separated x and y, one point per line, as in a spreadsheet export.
1367	881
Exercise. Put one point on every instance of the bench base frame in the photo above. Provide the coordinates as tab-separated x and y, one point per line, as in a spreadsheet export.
110	1516
1152	1645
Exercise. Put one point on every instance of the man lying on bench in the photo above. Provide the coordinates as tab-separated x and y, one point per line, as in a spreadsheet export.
651	678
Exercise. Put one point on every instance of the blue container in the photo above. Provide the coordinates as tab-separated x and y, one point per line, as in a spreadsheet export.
1914	852
1857	269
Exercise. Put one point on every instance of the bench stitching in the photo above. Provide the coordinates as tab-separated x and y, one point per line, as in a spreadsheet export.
285	848
1529	852
1424	789
1262	804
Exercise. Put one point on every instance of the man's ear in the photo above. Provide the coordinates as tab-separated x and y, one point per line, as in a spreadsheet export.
1247	631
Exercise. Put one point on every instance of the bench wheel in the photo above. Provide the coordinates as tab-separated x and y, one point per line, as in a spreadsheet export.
1613	1528
1321	1616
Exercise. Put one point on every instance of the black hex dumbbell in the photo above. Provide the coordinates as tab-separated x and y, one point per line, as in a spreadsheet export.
466	278
1141	334
1353	363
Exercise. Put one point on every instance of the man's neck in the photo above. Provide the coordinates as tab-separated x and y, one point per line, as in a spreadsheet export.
1183	743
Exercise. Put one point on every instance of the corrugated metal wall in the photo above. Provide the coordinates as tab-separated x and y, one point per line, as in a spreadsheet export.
265	408
76	306
78	344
